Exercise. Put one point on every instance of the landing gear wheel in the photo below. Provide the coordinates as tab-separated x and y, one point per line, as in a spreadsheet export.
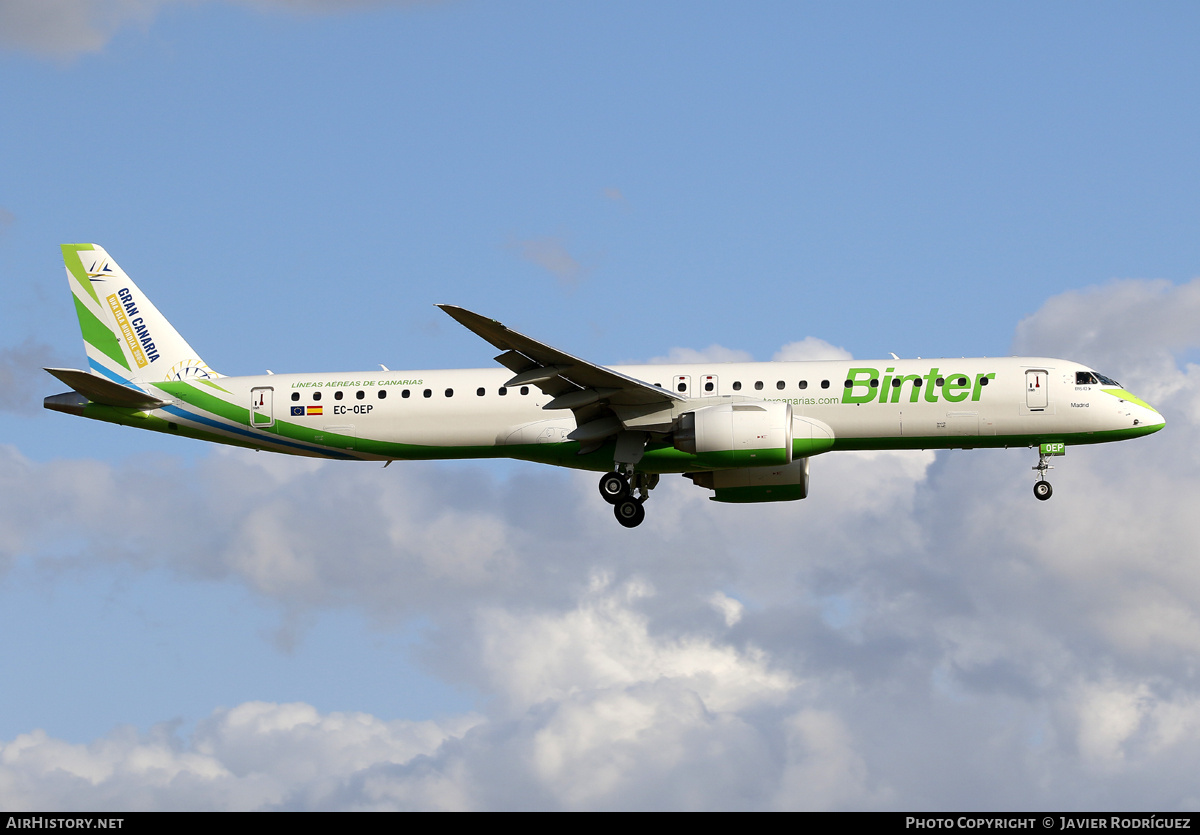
613	487
1042	490
629	512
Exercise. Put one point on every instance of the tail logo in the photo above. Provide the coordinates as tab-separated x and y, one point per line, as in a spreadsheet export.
99	269
192	369
137	335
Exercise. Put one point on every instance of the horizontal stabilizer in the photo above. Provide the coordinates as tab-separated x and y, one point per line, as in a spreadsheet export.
102	390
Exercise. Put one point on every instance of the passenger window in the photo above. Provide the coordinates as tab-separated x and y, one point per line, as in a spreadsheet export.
316	396
449	392
360	394
874	384
895	382
295	395
779	385
708	386
682	387
427	393
382	393
758	386
941	381
803	385
824	384
479	391
503	391
337	395
737	386
404	393
983	381
524	389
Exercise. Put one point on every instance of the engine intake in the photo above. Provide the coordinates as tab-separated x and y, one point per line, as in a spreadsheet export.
738	434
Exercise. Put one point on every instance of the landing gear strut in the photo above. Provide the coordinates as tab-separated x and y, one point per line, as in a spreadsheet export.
1041	488
618	490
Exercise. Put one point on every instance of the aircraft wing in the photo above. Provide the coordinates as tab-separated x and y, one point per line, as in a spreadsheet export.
595	394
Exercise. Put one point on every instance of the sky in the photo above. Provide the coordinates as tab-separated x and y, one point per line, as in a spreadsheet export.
297	184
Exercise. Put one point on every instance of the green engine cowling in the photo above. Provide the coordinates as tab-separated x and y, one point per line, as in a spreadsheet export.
730	435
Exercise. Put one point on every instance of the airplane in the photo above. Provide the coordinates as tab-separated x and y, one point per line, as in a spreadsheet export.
744	430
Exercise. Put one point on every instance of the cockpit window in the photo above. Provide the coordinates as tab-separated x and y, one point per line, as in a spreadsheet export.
1089	378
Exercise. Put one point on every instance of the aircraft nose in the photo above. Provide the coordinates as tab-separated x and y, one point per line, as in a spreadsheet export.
1151	419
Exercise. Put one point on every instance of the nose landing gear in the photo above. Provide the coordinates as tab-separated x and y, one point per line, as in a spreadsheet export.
1041	488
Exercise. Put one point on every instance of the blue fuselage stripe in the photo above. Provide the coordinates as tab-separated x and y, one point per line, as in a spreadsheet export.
266	440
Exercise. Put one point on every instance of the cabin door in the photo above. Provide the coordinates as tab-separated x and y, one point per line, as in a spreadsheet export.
261	414
1035	390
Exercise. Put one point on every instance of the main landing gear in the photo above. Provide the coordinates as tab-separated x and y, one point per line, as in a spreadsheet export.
1041	488
618	488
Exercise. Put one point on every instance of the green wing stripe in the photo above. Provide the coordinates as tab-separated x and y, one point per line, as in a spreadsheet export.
75	268
97	334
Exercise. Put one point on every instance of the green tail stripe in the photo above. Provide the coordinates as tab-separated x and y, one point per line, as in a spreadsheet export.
212	404
75	267
97	334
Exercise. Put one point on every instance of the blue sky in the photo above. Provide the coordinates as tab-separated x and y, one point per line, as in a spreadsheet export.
297	184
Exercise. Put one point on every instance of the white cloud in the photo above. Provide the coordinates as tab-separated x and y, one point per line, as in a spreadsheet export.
65	28
552	255
22	380
713	353
254	756
68	28
810	348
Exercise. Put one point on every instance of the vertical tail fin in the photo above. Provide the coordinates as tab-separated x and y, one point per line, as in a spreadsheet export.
126	338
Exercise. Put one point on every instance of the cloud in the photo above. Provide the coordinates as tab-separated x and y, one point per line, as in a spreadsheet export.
598	710
22	380
615	195
69	28
810	348
713	353
257	755
66	28
918	633
550	253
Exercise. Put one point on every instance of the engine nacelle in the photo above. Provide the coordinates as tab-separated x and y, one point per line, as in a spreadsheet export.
757	484
748	434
